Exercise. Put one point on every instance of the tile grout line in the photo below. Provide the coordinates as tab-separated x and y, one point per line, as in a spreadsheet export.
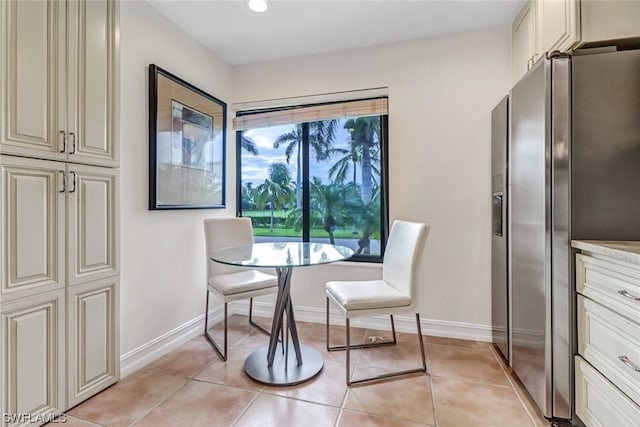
513	386
187	380
387	418
246	408
433	401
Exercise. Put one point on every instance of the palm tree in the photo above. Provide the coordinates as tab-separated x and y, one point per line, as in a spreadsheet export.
321	138
365	138
331	205
369	221
350	158
248	196
248	144
347	164
276	190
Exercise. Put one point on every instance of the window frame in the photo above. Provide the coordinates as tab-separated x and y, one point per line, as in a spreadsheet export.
306	205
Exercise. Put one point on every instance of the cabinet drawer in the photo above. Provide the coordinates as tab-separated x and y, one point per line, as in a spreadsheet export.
611	343
612	283
601	404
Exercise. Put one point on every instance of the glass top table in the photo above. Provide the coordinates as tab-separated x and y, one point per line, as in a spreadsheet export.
266	365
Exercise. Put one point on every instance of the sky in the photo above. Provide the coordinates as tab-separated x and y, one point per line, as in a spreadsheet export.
255	169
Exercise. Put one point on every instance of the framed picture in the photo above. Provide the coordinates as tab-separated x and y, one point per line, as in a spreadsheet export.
187	132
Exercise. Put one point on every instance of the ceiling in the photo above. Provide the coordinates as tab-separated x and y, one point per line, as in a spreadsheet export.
292	28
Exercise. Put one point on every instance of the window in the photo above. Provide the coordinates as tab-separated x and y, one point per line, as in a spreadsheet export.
300	178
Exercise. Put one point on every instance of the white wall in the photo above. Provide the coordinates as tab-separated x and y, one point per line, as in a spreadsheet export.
441	93
162	252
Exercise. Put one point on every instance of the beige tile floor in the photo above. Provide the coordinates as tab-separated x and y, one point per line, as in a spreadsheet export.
466	385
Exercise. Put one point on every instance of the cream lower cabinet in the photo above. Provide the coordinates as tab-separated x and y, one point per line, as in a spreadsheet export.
59	284
607	367
32	372
599	403
92	338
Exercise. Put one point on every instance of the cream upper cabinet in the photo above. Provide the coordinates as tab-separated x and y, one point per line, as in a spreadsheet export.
547	25
608	20
524	40
92	214
58	65
32	55
92	95
559	27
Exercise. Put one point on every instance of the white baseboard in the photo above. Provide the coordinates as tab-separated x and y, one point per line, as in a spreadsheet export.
407	324
156	348
147	353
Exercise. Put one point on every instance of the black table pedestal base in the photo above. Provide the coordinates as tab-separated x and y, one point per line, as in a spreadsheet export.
256	366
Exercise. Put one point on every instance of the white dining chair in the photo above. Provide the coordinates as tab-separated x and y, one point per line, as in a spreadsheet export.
394	294
232	282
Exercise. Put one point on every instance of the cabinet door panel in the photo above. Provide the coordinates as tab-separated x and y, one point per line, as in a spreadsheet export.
32	345
32	214
559	22
92	82
31	63
93	227
93	339
523	40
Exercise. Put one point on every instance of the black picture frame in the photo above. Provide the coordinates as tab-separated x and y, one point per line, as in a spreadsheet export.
187	145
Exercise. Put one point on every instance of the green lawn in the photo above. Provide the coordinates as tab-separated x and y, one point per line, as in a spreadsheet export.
315	232
265	214
280	231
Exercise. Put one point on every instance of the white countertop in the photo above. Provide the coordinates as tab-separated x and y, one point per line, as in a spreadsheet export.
628	251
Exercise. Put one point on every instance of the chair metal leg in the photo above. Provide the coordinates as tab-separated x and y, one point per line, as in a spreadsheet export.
362	345
212	341
348	348
222	351
266	331
391	374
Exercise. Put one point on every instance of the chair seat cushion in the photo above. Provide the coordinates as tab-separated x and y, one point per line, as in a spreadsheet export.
242	281
364	295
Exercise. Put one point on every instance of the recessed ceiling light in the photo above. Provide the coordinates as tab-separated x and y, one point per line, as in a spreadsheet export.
258	5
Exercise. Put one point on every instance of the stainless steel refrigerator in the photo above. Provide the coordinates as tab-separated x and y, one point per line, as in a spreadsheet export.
574	173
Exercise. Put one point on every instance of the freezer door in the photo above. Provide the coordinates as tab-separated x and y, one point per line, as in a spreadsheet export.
529	215
499	296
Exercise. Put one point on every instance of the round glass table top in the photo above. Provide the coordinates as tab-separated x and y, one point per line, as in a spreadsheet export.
281	254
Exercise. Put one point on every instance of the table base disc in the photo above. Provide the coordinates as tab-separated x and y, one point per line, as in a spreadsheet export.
256	366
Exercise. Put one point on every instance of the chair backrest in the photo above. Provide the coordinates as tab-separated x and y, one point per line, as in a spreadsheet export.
403	254
222	233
